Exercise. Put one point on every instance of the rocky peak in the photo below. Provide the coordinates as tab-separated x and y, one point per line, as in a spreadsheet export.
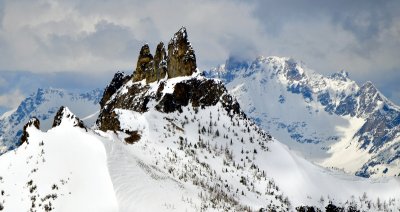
181	57
158	67
64	115
166	96
180	61
32	122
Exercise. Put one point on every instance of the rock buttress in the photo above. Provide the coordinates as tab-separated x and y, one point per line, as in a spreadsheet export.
144	64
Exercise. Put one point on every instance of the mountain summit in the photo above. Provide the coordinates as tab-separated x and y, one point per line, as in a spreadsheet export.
180	61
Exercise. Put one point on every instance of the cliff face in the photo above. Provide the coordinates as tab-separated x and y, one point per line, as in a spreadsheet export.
181	58
180	61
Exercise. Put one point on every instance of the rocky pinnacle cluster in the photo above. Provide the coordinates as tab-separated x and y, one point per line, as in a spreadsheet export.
180	60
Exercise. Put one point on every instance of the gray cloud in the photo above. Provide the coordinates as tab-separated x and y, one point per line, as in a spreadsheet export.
11	100
366	21
239	47
102	36
1	13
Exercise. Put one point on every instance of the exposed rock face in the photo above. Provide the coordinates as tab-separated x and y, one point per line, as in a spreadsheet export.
32	122
180	61
181	57
160	65
118	80
198	92
136	99
144	64
63	114
133	137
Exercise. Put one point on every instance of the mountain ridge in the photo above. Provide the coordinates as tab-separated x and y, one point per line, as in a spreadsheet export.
336	94
43	104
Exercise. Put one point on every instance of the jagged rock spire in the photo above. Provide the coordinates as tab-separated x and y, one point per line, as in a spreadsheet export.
144	63
180	61
181	57
160	61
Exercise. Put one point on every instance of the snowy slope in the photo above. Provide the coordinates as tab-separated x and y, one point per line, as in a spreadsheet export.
329	120
174	166
43	104
183	143
63	169
192	145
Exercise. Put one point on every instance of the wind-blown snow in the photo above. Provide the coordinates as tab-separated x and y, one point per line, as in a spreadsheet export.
65	168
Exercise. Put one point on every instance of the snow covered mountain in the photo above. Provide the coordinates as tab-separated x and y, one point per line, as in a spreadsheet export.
169	139
330	120
44	104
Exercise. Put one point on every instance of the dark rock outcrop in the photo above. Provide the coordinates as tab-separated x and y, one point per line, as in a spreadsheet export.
133	137
136	99
197	92
118	80
180	61
32	122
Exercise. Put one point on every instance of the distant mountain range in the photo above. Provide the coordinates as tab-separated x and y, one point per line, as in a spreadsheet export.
43	104
328	119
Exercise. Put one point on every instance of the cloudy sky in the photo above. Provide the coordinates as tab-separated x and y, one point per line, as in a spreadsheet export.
80	44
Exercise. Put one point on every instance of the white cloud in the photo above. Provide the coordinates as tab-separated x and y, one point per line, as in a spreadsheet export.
11	100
